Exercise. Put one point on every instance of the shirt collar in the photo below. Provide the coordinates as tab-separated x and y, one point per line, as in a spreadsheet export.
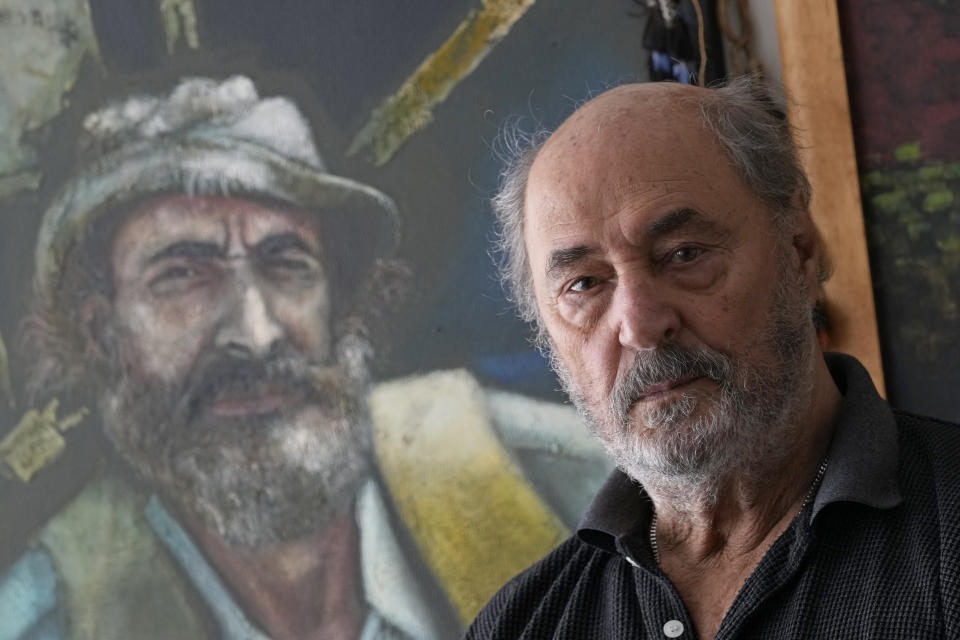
863	458
621	506
390	584
864	455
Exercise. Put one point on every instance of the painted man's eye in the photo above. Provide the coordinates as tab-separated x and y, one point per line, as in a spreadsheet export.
177	279
179	273
289	264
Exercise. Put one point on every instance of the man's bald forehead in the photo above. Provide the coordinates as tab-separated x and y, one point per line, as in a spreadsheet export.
619	122
632	124
640	96
636	106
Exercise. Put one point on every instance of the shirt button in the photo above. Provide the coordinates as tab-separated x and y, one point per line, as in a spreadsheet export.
673	629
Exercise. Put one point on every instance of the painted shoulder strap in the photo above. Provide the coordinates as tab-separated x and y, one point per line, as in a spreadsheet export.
475	517
116	581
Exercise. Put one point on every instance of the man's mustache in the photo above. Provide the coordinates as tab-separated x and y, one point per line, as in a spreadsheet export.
663	365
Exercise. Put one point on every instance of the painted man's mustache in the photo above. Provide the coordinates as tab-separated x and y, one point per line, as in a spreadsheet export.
229	375
665	365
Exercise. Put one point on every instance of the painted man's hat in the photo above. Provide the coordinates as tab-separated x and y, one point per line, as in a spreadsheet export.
205	137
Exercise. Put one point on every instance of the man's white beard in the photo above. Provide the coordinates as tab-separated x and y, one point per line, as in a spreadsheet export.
254	482
683	447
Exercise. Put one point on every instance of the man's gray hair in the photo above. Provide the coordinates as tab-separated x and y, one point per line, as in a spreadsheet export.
751	128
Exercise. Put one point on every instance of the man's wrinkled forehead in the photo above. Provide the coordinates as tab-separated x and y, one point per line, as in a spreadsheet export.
232	224
629	139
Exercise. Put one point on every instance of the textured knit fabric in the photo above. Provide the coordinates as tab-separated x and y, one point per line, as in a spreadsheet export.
874	556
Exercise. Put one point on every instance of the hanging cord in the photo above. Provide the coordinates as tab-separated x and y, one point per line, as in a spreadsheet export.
702	43
743	57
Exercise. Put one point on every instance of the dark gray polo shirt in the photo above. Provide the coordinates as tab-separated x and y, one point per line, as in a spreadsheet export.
874	556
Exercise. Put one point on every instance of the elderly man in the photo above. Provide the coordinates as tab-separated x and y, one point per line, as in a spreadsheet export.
661	241
216	288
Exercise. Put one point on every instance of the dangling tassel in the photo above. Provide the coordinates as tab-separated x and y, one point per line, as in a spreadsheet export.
668	37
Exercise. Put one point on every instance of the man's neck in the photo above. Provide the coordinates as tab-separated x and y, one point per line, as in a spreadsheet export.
306	589
753	498
709	549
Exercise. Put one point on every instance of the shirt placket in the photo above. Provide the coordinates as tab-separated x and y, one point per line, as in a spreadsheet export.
779	565
662	610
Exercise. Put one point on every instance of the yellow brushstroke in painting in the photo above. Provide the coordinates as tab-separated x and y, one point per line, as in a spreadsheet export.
475	517
179	18
410	108
36	441
5	387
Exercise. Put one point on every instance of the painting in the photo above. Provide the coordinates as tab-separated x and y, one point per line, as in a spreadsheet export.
257	376
900	59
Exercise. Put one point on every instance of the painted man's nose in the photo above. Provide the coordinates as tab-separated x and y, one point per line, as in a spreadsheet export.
249	329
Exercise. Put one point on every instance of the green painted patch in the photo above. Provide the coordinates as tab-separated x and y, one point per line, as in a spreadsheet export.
908	152
931	172
890	201
916	228
938	200
950	248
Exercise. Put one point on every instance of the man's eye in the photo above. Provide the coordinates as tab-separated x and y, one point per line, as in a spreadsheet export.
581	285
685	254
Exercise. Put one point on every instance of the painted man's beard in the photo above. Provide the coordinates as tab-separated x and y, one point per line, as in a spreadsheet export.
259	479
686	442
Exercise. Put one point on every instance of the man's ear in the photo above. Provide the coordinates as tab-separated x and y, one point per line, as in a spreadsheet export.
97	330
807	244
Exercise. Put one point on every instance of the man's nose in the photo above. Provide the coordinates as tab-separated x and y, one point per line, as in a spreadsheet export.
643	315
250	328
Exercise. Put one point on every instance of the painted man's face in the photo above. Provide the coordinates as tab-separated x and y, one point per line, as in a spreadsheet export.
244	278
228	393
